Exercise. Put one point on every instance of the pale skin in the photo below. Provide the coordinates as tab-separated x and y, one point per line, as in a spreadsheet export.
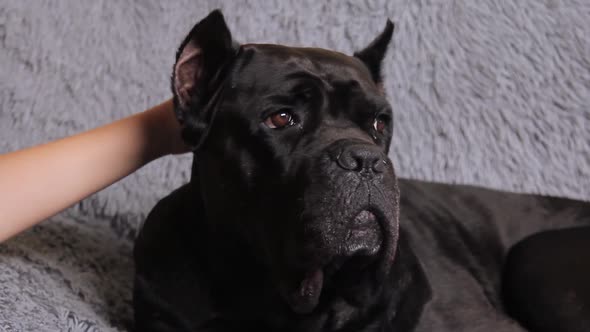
38	182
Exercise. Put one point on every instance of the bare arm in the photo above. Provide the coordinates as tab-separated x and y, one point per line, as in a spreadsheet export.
40	181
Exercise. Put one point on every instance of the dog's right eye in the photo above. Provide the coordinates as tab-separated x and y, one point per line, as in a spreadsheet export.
279	120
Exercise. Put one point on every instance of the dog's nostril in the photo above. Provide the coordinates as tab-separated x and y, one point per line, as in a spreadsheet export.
349	162
379	165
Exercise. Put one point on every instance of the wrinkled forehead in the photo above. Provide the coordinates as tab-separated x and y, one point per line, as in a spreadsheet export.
268	66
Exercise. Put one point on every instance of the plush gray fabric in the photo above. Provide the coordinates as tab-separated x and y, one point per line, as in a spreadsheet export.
494	93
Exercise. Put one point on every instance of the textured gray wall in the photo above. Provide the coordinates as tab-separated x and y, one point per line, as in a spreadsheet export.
494	93
484	92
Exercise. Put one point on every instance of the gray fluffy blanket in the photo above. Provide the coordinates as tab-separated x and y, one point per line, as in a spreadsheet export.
493	93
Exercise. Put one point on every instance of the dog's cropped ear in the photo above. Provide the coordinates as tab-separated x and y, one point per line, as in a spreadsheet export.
198	74
372	56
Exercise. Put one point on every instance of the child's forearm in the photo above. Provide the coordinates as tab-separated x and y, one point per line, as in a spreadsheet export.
38	182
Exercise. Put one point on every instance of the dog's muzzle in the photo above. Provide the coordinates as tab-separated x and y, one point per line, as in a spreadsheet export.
352	243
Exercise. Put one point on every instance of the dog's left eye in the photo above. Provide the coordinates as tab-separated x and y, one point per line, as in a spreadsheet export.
279	120
380	123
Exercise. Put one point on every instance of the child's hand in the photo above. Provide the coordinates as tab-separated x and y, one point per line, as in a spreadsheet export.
164	131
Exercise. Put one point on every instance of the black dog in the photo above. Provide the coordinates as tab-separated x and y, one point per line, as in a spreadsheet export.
291	220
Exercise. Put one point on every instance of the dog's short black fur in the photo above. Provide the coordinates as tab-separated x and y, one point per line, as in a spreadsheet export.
292	220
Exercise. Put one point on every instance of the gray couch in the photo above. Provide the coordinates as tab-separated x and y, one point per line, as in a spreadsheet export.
493	93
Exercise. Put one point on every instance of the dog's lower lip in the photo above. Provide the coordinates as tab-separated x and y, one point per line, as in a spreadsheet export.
364	217
364	234
361	246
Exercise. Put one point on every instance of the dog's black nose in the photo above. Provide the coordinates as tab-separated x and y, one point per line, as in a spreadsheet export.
362	158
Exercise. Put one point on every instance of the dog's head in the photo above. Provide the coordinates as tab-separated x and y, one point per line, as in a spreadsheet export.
291	154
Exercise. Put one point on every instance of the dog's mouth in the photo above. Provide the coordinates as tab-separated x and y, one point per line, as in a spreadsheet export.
358	253
306	295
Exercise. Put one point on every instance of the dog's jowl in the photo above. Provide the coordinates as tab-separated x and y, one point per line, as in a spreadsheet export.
294	219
